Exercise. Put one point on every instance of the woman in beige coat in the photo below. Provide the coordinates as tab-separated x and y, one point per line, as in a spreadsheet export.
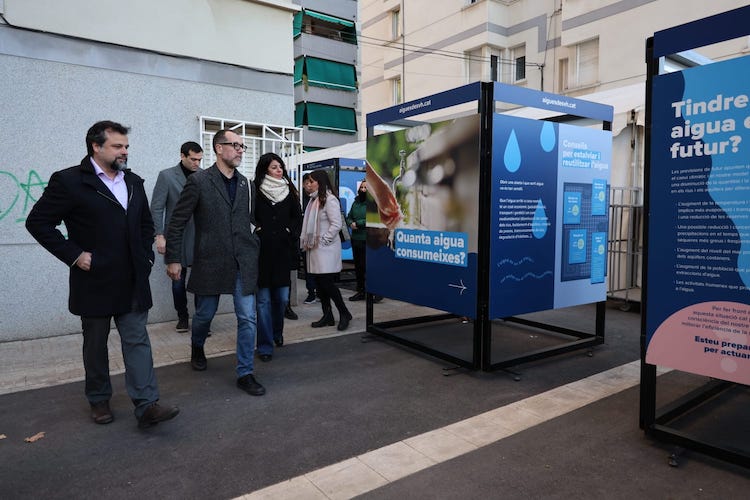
320	240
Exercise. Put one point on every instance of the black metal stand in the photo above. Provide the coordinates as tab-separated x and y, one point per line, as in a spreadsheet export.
582	340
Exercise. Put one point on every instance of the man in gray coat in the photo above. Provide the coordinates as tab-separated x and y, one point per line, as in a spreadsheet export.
221	202
167	191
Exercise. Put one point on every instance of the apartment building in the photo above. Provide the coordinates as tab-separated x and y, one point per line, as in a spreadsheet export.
326	54
172	70
591	49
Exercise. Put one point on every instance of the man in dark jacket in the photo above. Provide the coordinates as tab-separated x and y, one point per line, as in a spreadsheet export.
221	202
108	250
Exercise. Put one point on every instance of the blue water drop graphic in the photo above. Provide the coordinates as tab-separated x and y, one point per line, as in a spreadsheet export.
512	157
539	222
547	138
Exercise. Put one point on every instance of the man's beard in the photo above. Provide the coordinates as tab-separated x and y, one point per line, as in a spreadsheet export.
120	165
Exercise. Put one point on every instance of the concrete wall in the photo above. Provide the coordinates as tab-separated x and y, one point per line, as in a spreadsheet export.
54	88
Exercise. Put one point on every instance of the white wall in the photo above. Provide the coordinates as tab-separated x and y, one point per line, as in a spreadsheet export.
243	32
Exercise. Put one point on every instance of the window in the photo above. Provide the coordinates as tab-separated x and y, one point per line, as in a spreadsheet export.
323	25
562	77
587	63
482	64
396	90
395	24
324	73
326	118
518	56
259	138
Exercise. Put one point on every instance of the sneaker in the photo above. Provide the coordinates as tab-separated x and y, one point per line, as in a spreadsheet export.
310	298
357	296
182	325
250	385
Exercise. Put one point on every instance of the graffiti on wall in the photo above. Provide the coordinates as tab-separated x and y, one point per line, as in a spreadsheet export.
17	196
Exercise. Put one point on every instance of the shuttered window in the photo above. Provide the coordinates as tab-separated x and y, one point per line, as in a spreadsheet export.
325	117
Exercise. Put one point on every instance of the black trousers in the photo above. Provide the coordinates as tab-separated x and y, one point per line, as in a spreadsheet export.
359	249
325	286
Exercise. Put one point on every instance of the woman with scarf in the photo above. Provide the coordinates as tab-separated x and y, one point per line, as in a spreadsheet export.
320	239
278	218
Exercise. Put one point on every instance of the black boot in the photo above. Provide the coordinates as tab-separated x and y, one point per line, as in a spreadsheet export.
198	359
344	319
326	320
289	313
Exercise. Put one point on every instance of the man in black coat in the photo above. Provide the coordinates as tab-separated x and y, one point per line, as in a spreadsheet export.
221	202
108	250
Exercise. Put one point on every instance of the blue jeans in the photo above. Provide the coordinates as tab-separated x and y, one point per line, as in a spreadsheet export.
244	309
179	295
271	305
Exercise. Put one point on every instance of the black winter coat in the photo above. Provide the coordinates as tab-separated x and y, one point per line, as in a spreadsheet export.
278	227
120	241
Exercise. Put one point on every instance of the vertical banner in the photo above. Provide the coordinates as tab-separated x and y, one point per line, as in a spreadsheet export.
422	217
698	303
550	216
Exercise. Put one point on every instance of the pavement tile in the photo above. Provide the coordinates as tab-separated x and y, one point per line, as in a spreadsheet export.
298	488
440	445
396	461
481	430
346	479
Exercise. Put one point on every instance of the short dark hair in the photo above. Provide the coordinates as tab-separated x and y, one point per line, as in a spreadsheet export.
220	136
189	146
97	134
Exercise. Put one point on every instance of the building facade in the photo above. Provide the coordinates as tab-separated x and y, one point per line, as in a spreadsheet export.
173	70
326	55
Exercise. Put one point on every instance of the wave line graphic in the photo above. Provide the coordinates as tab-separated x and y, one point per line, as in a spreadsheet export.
511	261
527	275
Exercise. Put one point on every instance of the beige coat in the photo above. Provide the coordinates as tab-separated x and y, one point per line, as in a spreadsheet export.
325	258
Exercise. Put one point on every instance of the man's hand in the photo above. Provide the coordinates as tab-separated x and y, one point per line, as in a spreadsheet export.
84	261
174	270
161	244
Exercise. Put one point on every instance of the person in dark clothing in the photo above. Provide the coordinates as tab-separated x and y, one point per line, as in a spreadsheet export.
109	252
278	221
356	220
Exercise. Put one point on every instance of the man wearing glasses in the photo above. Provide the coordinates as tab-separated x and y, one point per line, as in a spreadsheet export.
221	202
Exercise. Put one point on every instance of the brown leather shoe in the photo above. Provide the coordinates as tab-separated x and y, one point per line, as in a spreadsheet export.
155	414
100	412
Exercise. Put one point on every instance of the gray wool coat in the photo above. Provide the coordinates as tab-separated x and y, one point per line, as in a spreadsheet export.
224	239
167	191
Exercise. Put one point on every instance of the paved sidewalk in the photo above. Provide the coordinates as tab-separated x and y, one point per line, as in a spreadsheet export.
33	364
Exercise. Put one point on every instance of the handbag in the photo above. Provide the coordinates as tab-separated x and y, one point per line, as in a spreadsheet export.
344	231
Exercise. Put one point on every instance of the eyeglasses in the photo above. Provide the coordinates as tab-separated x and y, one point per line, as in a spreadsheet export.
236	145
